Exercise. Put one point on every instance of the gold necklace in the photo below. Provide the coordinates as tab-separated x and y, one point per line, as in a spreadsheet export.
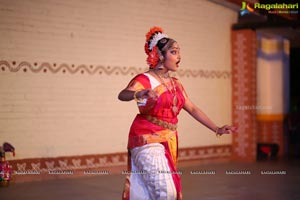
175	100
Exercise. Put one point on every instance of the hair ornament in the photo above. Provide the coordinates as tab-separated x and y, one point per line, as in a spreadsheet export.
156	38
153	58
152	31
153	36
153	44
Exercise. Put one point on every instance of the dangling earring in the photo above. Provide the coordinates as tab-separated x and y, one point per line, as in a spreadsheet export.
161	58
160	68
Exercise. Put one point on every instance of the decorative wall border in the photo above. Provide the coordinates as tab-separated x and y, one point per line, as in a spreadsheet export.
49	168
63	68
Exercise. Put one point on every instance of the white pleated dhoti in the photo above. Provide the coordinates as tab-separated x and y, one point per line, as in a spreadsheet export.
151	177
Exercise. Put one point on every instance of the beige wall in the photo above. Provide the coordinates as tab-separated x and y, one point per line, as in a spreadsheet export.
62	64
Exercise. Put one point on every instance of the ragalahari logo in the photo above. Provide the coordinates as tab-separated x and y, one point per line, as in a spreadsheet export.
274	8
246	8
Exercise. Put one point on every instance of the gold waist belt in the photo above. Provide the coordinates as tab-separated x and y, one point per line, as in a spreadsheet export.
162	123
158	137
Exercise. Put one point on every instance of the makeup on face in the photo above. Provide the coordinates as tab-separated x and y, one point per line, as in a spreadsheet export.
172	58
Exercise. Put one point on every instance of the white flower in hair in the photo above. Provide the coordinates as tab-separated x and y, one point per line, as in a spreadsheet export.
156	38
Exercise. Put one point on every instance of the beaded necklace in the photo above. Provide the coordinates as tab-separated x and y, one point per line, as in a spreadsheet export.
175	100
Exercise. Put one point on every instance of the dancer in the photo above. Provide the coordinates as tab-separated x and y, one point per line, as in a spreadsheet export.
153	139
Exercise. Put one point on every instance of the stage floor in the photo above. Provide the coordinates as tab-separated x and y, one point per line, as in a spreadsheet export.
276	180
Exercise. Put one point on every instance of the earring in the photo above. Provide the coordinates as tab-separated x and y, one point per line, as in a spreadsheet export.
161	58
160	67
